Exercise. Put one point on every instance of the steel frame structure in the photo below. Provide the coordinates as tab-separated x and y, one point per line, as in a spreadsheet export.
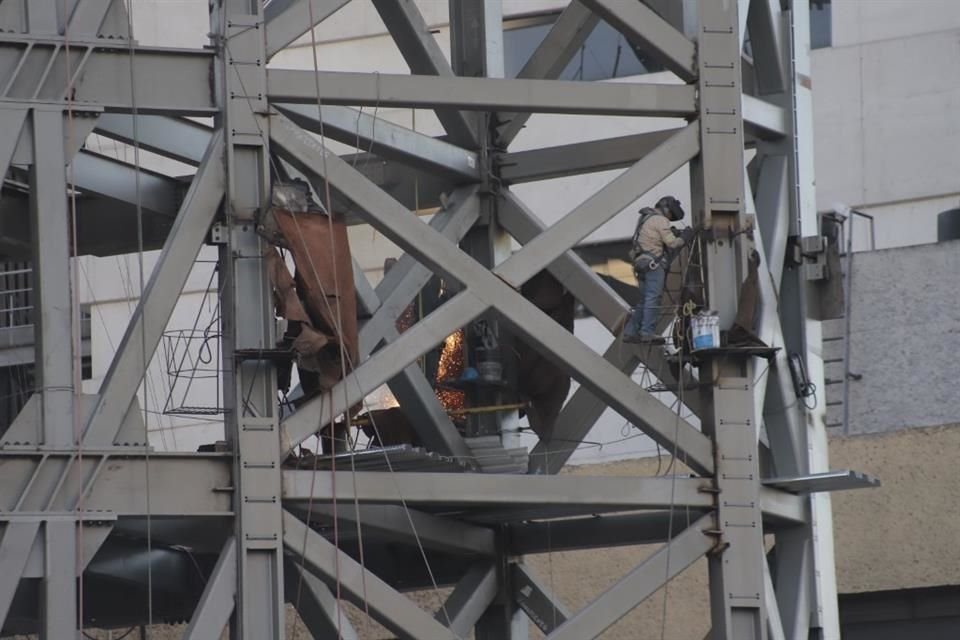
78	479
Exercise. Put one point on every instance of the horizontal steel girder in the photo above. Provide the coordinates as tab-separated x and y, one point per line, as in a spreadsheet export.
167	81
467	490
177	138
114	482
567	35
578	158
385	139
482	94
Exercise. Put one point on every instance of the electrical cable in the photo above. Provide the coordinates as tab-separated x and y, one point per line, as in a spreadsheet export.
134	109
347	360
673	481
74	322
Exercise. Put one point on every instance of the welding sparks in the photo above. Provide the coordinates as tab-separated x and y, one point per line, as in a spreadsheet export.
450	367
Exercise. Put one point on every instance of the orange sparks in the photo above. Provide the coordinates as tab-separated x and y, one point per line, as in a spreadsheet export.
450	367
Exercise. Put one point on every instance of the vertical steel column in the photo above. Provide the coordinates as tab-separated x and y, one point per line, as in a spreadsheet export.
803	333
737	569
250	396
59	599
476	44
53	302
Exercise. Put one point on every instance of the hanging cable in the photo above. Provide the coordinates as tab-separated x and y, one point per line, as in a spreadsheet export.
75	338
142	282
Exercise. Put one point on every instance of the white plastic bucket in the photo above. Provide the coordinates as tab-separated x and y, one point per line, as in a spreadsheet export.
705	328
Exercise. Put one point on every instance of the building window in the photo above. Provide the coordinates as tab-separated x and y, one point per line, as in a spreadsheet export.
821	24
606	53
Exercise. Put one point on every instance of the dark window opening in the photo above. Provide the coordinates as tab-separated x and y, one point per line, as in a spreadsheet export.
821	24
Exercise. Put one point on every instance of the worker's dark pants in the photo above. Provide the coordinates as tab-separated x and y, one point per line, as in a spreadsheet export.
643	317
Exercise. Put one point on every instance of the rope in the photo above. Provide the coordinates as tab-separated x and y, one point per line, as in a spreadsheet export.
673	480
142	283
347	360
76	364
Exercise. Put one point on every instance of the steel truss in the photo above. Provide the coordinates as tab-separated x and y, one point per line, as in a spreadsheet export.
76	474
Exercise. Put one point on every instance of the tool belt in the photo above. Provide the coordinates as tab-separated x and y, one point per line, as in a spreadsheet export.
646	262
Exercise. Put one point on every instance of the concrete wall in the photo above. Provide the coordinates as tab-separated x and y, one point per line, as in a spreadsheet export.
885	131
905	329
859	21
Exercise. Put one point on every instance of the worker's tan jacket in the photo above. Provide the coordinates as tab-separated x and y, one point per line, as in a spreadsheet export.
652	235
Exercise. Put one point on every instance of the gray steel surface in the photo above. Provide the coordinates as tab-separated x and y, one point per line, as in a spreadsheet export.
465	501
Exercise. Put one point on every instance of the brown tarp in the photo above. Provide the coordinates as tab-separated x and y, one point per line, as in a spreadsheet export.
320	300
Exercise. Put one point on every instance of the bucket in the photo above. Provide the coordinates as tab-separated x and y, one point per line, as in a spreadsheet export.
490	371
705	329
488	365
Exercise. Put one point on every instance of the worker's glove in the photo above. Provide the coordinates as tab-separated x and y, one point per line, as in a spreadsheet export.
687	234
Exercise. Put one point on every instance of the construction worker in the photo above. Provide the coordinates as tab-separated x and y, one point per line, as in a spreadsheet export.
651	253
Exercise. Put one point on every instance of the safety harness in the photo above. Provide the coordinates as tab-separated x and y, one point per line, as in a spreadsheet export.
644	260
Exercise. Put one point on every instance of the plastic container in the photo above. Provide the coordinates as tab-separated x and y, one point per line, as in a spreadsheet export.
705	329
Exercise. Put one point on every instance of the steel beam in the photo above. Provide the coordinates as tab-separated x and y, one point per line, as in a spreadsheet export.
88	16
408	277
469	600
287	20
481	94
602	206
167	81
176	138
159	298
573	26
316	605
467	490
485	289
411	388
767	43
737	608
794	570
646	30
578	158
59	599
765	120
11	123
804	331
394	523
42	17
251	420
598	531
424	57
54	302
113	483
577	417
774	623
392	609
18	539
100	175
541	606
639	584
216	604
385	139
597	296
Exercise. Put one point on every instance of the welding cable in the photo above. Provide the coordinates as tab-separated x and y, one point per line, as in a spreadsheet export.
134	110
76	364
347	360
